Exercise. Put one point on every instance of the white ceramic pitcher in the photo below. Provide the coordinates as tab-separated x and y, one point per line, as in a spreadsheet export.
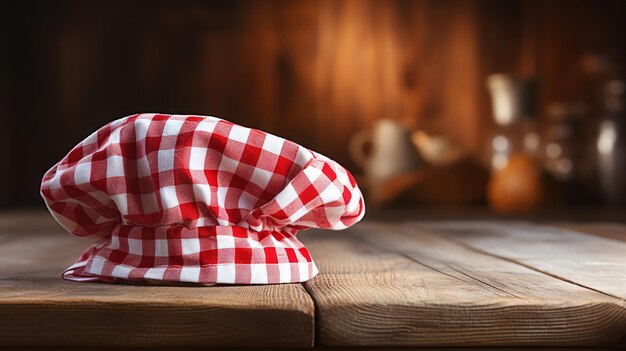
392	151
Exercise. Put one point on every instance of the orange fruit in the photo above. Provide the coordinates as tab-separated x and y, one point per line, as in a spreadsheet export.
517	188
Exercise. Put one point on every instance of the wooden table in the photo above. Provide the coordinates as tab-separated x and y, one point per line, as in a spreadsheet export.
406	284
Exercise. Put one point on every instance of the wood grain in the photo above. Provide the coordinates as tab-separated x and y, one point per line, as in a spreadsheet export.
616	231
37	308
312	71
396	285
587	260
470	284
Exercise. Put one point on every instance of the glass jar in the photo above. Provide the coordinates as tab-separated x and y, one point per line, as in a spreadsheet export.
611	145
561	150
515	131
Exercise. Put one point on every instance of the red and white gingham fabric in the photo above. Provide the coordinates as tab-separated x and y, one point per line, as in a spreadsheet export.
196	199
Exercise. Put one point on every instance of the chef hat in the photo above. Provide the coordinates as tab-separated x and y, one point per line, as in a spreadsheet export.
198	199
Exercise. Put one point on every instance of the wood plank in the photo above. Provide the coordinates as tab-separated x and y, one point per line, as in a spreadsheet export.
38	308
394	285
587	260
616	231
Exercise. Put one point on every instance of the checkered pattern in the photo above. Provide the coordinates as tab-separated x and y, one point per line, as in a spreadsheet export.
196	199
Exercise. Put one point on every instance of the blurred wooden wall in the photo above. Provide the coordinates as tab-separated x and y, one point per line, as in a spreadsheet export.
311	71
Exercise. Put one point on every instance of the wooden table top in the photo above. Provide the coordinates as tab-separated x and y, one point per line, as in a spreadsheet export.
402	283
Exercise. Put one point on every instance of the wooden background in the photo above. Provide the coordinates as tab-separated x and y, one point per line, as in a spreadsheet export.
311	71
